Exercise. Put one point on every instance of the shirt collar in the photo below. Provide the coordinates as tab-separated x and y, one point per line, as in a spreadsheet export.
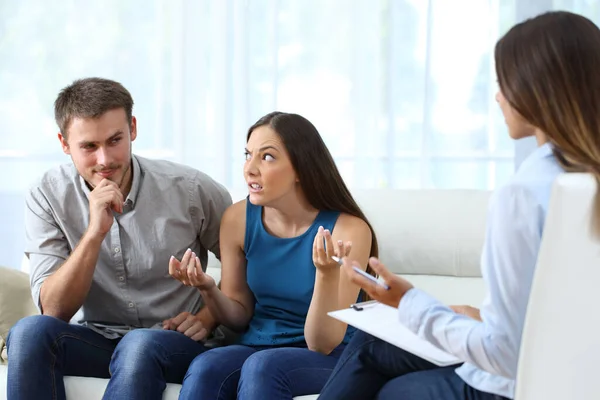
137	181
539	153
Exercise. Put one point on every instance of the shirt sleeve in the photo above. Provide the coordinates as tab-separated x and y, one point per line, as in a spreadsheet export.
211	199
46	245
513	237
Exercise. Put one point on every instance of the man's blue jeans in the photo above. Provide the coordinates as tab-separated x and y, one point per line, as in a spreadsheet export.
257	373
370	368
43	349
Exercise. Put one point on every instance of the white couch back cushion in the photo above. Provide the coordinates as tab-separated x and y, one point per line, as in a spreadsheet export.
428	232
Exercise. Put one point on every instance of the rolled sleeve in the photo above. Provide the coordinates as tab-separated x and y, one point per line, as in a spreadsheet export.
211	201
46	245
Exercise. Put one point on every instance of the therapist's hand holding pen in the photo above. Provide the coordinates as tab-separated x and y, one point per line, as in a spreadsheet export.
396	286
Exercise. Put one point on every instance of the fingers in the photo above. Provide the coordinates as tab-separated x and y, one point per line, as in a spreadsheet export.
183	266
343	250
194	330
315	255
321	254
189	271
380	269
355	277
190	265
329	248
347	249
196	275
187	323
174	266
201	335
455	309
180	319
109	194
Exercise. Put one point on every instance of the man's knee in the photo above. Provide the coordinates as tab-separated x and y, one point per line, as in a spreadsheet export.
33	333
137	346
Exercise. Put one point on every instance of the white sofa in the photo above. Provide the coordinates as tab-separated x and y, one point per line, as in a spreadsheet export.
434	237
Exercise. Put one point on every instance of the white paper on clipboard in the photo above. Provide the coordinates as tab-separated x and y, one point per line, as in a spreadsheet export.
382	321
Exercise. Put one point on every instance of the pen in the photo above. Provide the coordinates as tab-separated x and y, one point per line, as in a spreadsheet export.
363	273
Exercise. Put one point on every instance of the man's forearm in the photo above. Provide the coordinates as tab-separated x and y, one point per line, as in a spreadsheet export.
63	293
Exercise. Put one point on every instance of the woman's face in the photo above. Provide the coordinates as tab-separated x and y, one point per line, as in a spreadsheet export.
518	128
268	170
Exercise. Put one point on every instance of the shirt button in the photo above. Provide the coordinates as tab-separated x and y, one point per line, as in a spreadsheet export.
130	305
121	278
117	249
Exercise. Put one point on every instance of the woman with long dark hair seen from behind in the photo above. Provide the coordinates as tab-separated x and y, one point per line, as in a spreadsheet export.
547	70
278	278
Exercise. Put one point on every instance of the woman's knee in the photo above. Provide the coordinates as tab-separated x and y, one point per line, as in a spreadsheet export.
265	364
207	367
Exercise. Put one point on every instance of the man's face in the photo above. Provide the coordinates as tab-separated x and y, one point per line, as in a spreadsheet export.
101	147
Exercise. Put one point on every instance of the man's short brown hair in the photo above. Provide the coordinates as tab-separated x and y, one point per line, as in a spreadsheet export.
90	98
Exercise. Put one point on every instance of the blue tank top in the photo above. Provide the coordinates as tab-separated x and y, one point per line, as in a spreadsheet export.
281	274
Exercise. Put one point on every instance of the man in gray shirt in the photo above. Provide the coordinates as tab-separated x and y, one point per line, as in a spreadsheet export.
100	233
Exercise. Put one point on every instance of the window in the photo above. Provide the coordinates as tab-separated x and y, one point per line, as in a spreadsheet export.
402	91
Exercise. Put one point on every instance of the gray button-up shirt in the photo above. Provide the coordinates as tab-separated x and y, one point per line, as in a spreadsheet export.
169	209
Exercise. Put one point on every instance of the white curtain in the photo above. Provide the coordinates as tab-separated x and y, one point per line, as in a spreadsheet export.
401	90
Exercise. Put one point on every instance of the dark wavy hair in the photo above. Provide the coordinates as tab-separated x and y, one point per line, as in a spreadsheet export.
319	177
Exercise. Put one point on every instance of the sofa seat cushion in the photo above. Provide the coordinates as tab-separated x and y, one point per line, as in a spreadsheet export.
77	387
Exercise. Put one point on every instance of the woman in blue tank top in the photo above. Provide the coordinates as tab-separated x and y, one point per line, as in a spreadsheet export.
278	278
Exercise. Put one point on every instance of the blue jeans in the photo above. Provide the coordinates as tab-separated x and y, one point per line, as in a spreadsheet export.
370	368
257	373
43	349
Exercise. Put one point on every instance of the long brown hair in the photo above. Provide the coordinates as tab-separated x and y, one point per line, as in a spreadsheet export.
548	70
319	177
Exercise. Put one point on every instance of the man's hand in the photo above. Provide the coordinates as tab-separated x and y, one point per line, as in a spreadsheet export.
103	199
397	286
469	311
188	324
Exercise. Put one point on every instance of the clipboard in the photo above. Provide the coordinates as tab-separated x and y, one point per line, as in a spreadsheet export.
382	321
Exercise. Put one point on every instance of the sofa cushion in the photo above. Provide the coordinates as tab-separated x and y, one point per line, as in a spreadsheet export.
15	301
428	232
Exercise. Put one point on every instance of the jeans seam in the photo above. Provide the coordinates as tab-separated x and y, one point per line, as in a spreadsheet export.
54	351
225	380
52	373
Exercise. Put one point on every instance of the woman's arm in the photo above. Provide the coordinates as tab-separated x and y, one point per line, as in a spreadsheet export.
333	290
233	305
